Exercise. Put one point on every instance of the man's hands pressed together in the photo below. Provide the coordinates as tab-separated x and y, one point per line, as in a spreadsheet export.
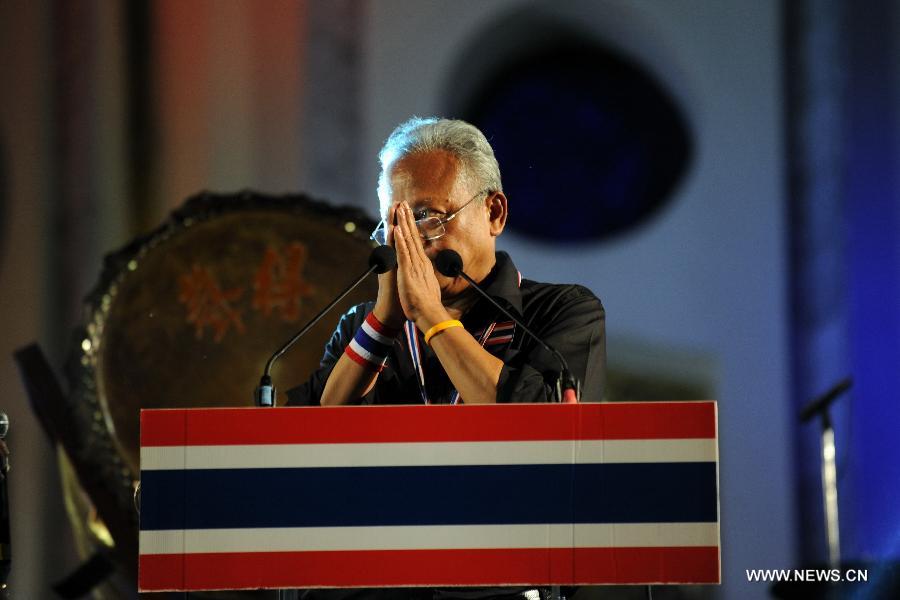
417	285
413	292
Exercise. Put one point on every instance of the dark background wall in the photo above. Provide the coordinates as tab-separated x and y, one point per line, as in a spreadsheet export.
769	272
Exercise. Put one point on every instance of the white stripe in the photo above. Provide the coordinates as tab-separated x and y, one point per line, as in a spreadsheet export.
430	537
412	340
427	453
372	333
372	358
498	329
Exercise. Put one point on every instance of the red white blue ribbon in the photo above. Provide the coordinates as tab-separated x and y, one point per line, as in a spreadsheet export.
371	344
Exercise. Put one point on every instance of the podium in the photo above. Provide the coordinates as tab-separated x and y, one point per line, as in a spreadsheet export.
393	496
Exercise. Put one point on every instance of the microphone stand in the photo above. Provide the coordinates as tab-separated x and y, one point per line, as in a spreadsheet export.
5	537
382	260
265	392
829	467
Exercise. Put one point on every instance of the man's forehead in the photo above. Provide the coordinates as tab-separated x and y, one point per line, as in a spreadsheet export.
424	185
424	194
430	170
423	201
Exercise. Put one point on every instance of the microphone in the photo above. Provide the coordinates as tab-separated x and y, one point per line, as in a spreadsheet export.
381	260
568	390
821	404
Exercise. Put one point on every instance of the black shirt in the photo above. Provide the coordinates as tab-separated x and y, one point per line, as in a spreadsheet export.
568	318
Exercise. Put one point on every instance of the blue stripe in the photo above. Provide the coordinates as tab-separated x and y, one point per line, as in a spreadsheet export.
371	344
451	495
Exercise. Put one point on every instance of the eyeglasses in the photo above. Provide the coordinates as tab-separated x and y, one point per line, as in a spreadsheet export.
430	228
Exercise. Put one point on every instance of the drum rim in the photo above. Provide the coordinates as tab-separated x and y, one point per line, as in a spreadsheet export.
88	412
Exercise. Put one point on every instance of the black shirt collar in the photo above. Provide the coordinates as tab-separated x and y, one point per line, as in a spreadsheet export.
502	284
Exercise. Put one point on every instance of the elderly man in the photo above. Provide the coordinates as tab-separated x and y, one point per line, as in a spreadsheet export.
430	339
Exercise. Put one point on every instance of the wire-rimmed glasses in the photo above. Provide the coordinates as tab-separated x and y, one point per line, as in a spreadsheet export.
430	228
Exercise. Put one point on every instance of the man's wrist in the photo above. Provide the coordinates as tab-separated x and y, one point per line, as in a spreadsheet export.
372	343
386	319
430	318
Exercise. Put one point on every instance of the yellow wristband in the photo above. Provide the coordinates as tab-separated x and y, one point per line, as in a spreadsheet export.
440	327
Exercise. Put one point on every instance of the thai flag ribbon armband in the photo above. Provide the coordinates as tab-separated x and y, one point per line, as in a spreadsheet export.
371	344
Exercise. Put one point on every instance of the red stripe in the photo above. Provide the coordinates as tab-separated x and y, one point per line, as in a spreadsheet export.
161	572
163	427
374	424
380	327
581	566
649	420
361	360
646	565
496	331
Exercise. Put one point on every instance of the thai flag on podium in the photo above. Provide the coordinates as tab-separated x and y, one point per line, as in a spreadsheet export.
393	496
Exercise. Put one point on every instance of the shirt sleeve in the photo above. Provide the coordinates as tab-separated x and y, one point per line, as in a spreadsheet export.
574	325
310	392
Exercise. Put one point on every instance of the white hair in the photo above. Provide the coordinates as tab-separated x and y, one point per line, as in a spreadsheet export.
457	137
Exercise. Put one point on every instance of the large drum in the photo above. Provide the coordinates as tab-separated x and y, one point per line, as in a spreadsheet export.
187	316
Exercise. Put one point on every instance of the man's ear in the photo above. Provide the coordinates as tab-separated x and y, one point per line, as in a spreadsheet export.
497	211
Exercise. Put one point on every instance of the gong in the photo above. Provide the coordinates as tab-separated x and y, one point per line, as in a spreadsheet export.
187	316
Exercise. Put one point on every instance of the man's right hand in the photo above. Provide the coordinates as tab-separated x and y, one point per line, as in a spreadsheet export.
388	309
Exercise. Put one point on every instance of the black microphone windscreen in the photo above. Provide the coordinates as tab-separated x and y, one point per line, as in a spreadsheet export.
383	258
449	263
